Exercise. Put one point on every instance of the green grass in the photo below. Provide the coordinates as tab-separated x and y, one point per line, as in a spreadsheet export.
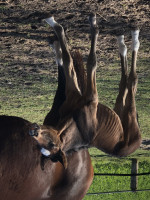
22	99
31	101
31	97
121	196
105	184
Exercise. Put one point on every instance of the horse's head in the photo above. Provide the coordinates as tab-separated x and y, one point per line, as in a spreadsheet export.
49	142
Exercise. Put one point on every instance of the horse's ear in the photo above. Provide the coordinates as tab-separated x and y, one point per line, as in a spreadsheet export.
61	157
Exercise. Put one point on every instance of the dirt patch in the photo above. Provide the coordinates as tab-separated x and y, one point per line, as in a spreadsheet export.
24	37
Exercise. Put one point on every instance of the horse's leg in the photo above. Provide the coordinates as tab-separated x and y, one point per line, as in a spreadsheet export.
119	134
133	79
132	135
120	100
91	92
71	78
53	116
130	113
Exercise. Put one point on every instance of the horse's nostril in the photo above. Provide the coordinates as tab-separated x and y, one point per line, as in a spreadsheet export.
50	145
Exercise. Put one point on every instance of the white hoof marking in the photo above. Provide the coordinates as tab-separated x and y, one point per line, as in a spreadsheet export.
58	53
59	62
135	40
122	46
51	21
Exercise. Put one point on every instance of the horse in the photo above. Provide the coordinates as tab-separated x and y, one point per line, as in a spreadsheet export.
51	161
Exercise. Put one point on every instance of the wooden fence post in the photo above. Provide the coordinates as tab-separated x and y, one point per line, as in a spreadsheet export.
134	179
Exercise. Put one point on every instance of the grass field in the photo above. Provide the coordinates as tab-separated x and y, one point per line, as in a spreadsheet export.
32	98
28	92
118	187
33	93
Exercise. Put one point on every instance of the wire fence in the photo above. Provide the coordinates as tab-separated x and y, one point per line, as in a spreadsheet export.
109	174
114	192
133	180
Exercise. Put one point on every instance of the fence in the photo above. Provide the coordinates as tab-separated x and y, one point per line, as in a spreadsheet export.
133	181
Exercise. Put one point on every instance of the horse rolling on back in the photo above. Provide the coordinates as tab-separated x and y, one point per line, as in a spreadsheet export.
32	156
84	122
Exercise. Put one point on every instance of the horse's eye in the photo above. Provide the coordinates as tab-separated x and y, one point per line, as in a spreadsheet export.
33	132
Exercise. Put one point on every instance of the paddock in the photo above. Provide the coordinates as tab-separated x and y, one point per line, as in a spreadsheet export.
28	79
117	178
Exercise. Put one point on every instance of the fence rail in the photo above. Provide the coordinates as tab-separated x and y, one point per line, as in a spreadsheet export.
110	174
113	192
134	180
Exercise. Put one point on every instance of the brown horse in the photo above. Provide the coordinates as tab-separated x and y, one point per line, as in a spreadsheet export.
80	122
83	121
24	172
21	174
